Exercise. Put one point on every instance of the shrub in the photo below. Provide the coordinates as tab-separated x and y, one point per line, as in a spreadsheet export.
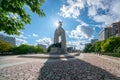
87	48
5	46
92	48
111	44
39	49
24	48
117	50
97	47
20	49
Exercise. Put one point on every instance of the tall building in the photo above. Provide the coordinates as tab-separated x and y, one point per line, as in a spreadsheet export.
112	30
8	39
115	29
104	34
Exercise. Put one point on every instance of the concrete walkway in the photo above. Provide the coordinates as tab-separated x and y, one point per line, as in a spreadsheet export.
110	58
6	61
82	67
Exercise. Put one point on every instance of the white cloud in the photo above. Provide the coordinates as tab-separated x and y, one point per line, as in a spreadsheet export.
21	41
109	8
72	9
21	36
97	3
103	11
115	7
46	41
82	22
35	35
92	11
81	32
103	18
78	44
67	31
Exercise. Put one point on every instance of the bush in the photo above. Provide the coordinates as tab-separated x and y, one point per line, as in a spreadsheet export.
24	48
110	47
5	46
97	47
117	50
88	48
111	44
92	48
21	49
39	49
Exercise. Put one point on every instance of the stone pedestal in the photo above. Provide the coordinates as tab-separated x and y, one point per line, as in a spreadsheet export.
58	51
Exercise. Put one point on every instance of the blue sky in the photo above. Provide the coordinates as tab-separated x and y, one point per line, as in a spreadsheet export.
82	21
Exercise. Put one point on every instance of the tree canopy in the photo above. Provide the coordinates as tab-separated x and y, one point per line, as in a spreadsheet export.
24	48
5	46
109	45
13	15
87	48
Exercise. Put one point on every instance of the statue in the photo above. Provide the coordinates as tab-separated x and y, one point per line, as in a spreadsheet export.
59	34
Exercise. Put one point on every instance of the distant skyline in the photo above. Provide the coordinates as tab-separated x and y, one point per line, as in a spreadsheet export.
82	21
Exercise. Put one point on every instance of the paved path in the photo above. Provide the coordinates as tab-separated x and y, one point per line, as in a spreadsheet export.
6	61
83	67
15	60
109	58
110	64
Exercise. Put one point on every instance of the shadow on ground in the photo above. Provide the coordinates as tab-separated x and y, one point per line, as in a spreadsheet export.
73	69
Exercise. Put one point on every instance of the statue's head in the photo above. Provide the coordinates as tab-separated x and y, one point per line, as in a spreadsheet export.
60	24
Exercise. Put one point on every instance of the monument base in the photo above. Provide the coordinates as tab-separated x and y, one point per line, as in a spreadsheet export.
57	51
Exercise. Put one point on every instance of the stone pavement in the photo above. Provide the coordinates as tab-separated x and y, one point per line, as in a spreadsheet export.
84	67
110	64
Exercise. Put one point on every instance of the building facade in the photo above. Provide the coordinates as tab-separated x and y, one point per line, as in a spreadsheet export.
104	34
8	39
112	30
115	29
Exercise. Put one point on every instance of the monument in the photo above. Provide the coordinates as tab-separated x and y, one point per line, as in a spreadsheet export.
59	37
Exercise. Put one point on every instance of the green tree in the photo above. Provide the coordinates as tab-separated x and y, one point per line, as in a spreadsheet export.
102	43
111	44
39	49
24	48
87	48
97	47
118	50
92	48
13	15
5	46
